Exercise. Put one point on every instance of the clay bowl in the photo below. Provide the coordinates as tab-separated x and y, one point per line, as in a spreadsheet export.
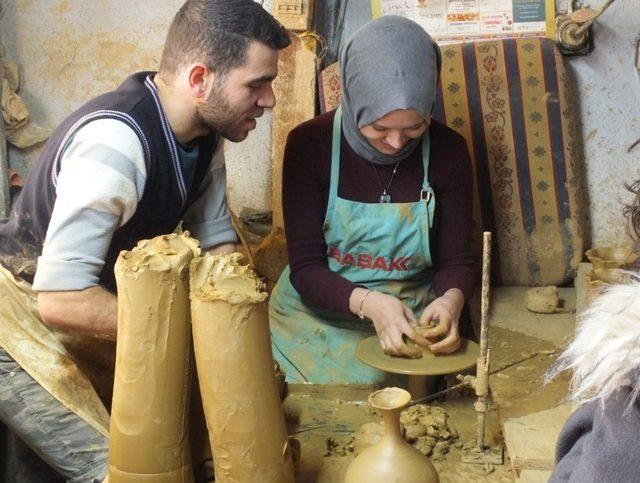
611	257
608	275
601	277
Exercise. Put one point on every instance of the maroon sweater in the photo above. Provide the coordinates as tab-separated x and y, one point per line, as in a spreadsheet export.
306	176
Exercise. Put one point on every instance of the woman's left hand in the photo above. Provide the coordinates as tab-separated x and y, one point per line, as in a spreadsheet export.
447	310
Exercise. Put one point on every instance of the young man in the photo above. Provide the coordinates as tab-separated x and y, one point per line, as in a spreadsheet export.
128	165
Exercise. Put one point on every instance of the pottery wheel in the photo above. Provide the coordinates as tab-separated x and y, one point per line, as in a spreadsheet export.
370	352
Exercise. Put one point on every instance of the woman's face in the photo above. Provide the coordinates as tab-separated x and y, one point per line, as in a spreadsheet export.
392	131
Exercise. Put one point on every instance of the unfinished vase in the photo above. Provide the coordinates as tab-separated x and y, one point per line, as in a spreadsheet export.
392	459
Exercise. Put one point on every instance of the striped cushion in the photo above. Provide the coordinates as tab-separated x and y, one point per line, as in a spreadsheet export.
512	102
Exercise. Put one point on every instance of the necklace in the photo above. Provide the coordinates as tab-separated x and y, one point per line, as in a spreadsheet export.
385	197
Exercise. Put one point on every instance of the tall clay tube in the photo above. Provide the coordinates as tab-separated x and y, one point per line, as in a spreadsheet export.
236	373
149	416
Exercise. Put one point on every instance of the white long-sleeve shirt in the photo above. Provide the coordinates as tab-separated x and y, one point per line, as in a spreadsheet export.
100	183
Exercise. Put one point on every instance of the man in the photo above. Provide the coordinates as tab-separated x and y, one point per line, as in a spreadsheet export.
128	165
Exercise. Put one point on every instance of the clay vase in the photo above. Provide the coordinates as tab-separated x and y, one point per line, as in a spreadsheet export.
392	459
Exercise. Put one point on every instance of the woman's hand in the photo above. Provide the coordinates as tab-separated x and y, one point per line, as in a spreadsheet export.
392	319
447	310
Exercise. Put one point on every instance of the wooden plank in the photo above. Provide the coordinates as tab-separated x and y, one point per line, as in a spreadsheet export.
295	90
531	439
4	160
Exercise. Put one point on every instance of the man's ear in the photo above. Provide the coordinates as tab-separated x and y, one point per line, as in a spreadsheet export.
200	80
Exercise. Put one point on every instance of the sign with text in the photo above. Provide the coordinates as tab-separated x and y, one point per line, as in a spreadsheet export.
451	21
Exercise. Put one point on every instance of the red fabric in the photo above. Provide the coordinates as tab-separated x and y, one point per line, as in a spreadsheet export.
306	176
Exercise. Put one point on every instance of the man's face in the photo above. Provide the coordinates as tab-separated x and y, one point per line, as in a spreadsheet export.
237	99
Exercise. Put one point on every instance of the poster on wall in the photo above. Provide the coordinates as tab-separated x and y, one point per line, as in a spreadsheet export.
451	21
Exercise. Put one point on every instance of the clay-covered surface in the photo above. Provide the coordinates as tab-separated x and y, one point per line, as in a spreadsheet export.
520	389
531	412
326	418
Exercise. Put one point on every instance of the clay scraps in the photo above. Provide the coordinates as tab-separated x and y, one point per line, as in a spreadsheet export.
425	427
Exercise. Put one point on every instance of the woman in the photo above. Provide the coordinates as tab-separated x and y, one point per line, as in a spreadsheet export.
377	209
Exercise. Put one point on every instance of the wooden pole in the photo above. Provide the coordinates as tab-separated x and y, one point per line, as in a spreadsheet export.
482	374
4	160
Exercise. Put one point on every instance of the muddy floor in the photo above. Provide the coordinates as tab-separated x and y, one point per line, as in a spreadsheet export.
325	418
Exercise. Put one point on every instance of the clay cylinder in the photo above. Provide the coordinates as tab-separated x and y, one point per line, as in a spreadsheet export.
149	417
236	373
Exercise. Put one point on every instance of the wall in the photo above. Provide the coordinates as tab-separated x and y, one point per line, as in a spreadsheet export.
71	50
609	91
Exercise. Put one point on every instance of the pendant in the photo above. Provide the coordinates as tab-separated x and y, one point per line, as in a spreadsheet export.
384	198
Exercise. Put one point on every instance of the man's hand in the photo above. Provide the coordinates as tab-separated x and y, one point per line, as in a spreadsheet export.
92	312
447	310
392	319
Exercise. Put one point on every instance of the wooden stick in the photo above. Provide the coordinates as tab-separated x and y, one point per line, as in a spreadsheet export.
4	159
482	371
484	307
237	226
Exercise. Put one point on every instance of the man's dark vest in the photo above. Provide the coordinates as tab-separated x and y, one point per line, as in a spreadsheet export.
165	196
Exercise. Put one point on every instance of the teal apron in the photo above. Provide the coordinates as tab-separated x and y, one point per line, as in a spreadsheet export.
381	246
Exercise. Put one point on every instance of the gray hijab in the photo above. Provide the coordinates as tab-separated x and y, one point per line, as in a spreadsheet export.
390	63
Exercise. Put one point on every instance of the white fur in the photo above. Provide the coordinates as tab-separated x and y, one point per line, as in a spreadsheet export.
605	352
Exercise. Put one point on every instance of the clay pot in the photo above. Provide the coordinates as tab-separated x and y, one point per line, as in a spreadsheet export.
392	459
599	278
608	275
611	257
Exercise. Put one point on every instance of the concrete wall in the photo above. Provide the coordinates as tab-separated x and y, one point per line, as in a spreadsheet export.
609	90
72	50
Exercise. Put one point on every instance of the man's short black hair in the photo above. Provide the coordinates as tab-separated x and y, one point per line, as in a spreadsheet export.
217	33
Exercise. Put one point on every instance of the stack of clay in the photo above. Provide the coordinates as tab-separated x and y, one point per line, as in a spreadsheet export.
237	375
425	427
149	438
609	264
